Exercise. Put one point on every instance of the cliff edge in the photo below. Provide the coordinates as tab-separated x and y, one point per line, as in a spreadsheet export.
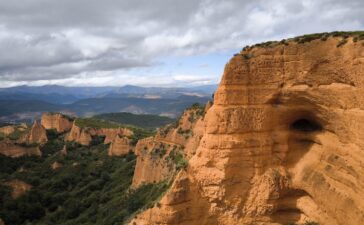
283	141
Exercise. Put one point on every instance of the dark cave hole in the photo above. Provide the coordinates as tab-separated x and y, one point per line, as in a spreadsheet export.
306	125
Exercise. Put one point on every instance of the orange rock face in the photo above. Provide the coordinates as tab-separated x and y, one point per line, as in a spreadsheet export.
153	153
84	135
11	149
112	133
56	121
18	188
283	142
7	130
81	136
56	165
37	134
120	146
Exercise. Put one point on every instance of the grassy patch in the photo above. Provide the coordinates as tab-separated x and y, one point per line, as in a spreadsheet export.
144	120
95	123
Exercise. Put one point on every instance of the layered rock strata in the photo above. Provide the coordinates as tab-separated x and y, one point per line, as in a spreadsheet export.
57	121
283	142
155	155
37	134
11	149
120	146
84	135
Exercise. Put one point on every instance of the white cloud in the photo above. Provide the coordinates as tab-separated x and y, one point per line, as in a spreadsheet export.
83	40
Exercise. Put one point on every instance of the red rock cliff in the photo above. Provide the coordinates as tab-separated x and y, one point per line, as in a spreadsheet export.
155	154
283	141
56	121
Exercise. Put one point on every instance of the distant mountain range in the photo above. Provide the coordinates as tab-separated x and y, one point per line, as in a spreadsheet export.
24	103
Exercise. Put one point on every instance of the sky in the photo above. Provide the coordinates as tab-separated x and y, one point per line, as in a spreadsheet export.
149	42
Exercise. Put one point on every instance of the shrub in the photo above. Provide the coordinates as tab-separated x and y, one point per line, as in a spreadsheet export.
310	223
96	140
15	135
178	159
342	43
95	123
2	136
52	134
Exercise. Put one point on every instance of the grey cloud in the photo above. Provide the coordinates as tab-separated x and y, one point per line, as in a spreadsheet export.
49	40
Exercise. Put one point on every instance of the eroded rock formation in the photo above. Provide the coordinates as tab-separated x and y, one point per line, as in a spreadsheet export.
19	140
84	135
283	141
37	134
155	155
18	187
11	149
120	146
56	121
7	129
111	133
79	135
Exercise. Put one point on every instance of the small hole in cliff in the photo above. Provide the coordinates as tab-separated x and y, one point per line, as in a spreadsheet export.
306	125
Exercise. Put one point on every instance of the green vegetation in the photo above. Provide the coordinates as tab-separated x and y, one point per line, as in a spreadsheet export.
144	120
2	136
95	123
356	35
160	151
185	133
140	133
178	159
89	188
198	107
341	43
18	133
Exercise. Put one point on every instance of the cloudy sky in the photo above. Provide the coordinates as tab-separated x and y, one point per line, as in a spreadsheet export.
149	42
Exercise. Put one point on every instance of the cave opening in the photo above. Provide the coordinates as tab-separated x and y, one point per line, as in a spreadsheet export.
306	125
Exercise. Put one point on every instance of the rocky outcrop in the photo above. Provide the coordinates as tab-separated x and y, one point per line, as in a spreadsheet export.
22	141
120	146
56	165
64	151
11	149
7	130
18	187
156	155
112	133
283	141
56	121
84	135
37	134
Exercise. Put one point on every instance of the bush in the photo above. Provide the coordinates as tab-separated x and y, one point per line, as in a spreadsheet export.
2	136
96	140
342	43
95	123
15	135
310	223
178	159
52	134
